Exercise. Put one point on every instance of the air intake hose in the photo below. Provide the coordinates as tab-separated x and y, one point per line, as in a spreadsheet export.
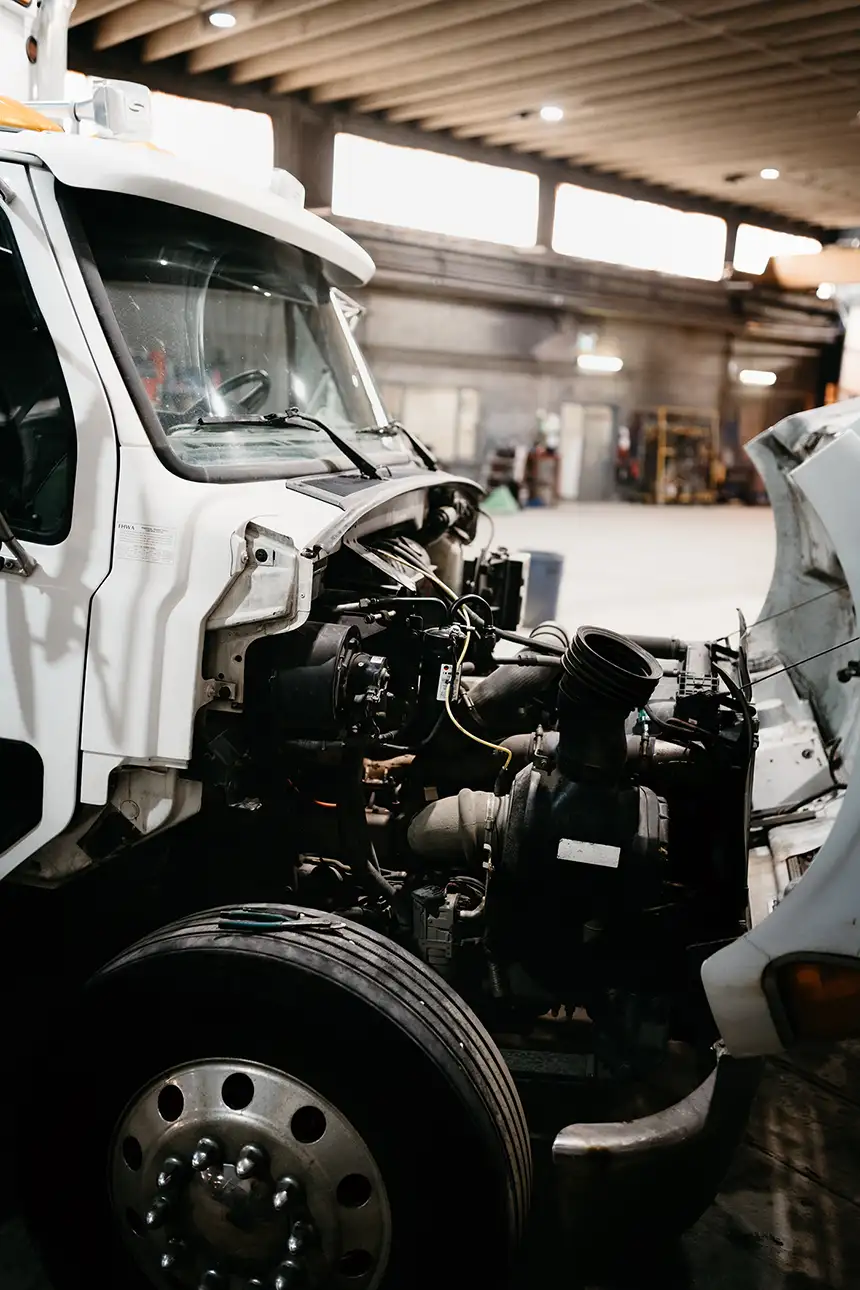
604	676
501	702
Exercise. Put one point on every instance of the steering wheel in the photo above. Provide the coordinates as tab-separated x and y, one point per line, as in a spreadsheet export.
259	381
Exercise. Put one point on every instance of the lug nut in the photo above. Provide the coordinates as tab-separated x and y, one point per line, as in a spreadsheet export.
173	1256
171	1173
288	1191
302	1235
252	1159
206	1154
157	1215
290	1276
213	1280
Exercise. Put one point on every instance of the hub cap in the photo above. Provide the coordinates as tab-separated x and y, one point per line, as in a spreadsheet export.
232	1176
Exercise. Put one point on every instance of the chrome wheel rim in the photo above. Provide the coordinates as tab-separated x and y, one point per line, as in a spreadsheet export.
235	1176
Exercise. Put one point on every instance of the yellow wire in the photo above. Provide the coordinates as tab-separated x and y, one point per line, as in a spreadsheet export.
485	743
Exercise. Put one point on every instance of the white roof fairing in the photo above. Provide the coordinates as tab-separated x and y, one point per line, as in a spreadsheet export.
109	165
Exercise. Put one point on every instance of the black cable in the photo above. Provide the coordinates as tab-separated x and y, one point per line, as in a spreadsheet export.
675	730
471	595
800	662
743	702
411	748
488	516
530	641
356	842
479	563
842	586
520	660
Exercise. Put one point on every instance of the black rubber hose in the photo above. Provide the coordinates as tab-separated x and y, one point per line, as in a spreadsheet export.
661	646
356	843
502	702
604	676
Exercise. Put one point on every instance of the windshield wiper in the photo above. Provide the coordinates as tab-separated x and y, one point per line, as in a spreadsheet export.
395	427
293	419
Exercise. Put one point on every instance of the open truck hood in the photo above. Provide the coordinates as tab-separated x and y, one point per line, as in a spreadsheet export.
809	606
805	875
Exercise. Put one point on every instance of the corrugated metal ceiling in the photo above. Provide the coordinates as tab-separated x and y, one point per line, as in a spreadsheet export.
698	95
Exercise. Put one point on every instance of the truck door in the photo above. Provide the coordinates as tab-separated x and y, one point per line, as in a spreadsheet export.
58	474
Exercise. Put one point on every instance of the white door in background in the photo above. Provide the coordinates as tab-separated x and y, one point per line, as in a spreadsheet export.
570	446
445	417
587	443
430	412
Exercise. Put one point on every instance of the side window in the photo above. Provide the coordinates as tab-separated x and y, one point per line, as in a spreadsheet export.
37	428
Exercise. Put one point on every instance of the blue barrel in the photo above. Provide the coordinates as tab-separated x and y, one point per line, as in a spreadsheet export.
545	570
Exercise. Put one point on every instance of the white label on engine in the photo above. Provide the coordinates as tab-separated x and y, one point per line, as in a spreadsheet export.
589	853
446	678
150	543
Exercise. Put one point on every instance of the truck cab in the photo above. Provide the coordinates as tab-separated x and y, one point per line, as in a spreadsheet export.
336	847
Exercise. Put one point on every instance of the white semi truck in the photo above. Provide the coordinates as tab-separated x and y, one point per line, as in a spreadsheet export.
309	882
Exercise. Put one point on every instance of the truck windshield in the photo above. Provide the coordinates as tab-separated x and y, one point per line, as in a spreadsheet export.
223	321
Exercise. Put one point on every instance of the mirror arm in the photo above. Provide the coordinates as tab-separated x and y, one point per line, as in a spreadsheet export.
21	561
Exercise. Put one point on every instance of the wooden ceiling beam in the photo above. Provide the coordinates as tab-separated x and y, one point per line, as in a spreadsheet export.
89	10
427	78
665	134
777	97
140	18
445	115
193	33
720	155
291	33
824	204
502	64
476	114
605	18
477	42
663	70
587	89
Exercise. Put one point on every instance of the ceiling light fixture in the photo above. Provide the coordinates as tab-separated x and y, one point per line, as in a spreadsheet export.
751	376
222	19
769	172
826	290
599	363
549	112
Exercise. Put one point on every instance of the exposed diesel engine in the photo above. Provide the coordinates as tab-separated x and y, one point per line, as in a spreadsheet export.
557	822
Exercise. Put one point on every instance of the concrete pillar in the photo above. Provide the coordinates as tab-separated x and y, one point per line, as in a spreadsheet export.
731	242
546	211
304	145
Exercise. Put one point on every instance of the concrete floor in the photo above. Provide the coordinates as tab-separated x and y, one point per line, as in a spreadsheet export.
649	570
788	1217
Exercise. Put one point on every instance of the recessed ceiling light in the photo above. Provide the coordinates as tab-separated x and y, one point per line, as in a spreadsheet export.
549	112
769	172
223	19
752	376
599	363
826	290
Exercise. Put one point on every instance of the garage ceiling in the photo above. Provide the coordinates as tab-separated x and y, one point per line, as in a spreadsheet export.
697	95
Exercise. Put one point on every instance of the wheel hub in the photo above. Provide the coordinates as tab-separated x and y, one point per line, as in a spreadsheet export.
233	1176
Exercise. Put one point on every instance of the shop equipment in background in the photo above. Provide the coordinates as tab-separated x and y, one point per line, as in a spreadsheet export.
679	456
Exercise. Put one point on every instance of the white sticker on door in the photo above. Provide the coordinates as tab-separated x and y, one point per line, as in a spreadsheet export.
150	543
